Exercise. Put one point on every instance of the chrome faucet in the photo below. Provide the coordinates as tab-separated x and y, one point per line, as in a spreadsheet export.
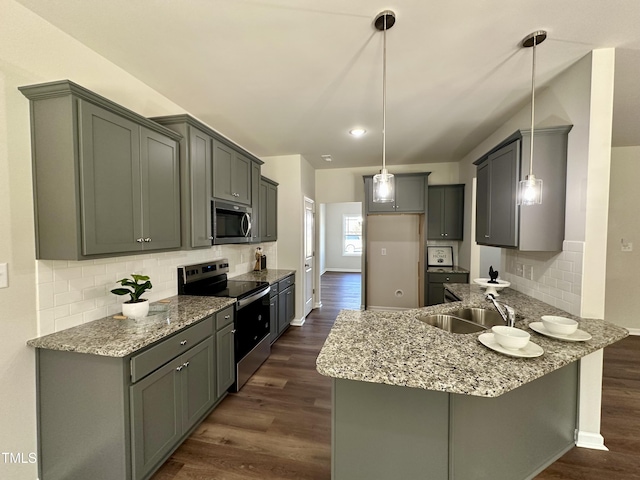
507	313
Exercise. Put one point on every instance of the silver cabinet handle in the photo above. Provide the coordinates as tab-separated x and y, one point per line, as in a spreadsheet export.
139	240
147	240
227	317
233	331
183	342
447	279
185	364
180	368
486	236
446	234
211	237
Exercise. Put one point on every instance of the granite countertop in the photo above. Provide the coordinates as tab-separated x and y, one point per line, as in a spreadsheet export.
112	337
269	275
454	269
396	349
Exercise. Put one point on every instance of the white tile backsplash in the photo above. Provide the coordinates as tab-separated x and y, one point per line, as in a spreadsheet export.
557	276
74	292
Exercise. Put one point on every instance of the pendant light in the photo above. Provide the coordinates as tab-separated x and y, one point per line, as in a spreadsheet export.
530	189
384	182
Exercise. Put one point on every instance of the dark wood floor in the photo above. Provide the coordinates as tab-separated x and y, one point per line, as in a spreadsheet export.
279	425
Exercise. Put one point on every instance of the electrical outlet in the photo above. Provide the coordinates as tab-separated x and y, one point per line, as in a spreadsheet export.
383	251
519	270
4	276
627	247
527	272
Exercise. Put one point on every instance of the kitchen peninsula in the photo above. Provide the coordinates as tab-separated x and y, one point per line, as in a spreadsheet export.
411	401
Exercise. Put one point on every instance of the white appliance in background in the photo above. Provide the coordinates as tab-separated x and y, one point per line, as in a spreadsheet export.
393	255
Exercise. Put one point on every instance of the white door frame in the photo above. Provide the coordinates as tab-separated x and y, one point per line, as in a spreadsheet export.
308	262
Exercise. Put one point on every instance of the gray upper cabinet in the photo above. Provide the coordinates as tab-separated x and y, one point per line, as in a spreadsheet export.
195	178
268	211
106	180
445	212
231	174
255	202
410	191
499	220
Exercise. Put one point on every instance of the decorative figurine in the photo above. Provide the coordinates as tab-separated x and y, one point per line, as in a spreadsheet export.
258	266
493	274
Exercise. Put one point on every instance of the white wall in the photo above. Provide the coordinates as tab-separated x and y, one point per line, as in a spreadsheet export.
335	260
623	268
296	180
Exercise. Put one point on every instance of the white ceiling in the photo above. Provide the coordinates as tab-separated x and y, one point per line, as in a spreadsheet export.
293	76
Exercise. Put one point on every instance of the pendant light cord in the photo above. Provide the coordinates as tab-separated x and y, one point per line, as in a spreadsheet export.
533	101
384	95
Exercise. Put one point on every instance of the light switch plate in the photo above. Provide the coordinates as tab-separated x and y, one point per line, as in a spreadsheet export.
627	247
4	276
383	251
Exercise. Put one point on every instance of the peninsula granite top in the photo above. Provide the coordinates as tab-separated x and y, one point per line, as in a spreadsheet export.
112	337
396	349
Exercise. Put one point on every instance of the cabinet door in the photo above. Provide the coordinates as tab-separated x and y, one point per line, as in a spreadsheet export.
291	303
435	293
483	212
272	213
410	192
223	158
453	212
273	318
225	361
110	181
241	179
160	191
435	214
256	230
156	417
200	187
198	377
503	190
263	208
283	321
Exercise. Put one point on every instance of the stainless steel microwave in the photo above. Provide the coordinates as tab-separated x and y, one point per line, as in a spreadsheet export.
231	223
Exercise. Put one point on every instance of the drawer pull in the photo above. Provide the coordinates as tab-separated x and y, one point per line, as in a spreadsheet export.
233	331
183	342
447	278
185	364
180	368
227	317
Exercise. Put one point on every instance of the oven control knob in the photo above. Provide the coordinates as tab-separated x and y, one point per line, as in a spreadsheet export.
255	338
259	317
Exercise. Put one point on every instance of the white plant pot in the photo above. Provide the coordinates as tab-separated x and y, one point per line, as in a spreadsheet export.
136	310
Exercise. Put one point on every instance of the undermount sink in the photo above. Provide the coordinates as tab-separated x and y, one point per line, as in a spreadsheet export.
482	316
465	320
451	324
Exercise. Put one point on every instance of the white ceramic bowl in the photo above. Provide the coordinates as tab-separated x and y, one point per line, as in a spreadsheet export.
559	325
510	337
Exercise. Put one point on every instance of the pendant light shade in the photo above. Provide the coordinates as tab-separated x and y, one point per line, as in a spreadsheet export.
384	182
530	189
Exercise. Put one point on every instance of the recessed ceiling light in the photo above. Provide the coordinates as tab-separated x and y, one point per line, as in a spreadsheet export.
357	132
327	158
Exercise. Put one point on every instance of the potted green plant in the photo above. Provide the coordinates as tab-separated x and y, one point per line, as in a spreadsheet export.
135	286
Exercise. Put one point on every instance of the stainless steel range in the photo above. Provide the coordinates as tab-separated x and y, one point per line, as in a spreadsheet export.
252	345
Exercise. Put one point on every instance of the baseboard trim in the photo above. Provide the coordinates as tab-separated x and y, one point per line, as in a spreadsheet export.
297	322
633	331
318	305
343	270
594	441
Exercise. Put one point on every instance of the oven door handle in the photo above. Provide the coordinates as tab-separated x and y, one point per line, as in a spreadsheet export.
246	218
252	298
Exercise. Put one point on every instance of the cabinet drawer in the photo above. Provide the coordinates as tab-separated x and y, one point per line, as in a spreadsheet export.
286	282
224	317
274	289
149	360
448	278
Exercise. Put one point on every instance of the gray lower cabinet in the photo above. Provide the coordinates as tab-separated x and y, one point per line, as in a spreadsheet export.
445	212
268	211
231	174
120	418
435	287
500	221
167	403
225	351
273	313
410	191
286	307
106	180
195	178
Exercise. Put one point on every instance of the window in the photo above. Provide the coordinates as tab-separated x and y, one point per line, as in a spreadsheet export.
352	235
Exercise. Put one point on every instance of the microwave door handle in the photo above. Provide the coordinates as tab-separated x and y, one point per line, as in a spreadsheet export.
242	222
248	217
